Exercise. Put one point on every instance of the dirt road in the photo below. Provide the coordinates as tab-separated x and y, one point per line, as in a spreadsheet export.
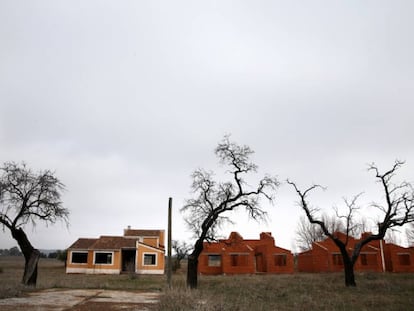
80	300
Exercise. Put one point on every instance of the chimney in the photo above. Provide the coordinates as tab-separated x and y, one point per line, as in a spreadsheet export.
126	230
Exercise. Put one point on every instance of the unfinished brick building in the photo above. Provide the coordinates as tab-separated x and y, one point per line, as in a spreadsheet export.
238	256
376	256
398	258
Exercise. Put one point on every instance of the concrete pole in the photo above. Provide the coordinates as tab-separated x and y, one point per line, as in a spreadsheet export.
169	262
382	256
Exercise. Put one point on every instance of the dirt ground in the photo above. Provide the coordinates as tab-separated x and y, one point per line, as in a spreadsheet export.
80	300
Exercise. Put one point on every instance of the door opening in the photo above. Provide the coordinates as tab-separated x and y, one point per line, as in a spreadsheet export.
128	260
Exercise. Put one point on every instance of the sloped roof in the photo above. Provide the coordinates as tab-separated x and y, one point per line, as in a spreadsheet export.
129	240
142	232
113	242
160	249
83	243
104	242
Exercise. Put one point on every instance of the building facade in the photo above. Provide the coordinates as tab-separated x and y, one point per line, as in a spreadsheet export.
398	258
236	255
137	251
376	256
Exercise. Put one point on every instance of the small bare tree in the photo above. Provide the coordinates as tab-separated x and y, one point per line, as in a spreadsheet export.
410	234
397	210
392	236
206	212
308	233
28	197
181	250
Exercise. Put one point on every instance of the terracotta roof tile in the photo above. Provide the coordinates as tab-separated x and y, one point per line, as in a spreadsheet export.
104	242
117	242
83	243
142	232
113	242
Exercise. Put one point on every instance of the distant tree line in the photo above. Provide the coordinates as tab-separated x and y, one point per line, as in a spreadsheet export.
14	251
59	255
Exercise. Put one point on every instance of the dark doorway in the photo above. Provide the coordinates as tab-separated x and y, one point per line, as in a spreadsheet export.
259	263
128	260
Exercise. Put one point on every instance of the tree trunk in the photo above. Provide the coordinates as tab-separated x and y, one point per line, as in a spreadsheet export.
192	269
192	273
349	274
348	263
31	256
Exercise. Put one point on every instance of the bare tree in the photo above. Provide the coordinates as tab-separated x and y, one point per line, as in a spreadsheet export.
308	233
181	250
392	236
410	234
27	197
206	212
397	210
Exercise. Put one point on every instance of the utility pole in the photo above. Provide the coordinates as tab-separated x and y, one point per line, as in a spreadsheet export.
169	259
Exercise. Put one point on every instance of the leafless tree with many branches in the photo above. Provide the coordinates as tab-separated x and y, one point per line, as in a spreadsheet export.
181	250
410	234
397	210
213	200
28	197
308	233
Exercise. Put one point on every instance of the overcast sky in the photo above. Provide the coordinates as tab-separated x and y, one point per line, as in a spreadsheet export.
124	99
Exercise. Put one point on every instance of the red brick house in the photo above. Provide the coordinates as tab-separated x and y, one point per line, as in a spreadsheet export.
238	256
398	258
376	256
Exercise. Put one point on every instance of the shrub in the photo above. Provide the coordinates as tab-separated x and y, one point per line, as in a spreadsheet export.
180	299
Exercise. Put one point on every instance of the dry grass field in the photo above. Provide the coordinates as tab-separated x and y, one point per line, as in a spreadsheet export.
51	274
375	291
294	292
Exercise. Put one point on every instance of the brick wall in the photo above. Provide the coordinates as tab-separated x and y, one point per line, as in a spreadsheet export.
399	259
238	256
325	256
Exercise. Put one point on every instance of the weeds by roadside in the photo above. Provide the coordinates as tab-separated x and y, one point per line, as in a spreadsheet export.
51	274
293	292
12	291
375	291
181	299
